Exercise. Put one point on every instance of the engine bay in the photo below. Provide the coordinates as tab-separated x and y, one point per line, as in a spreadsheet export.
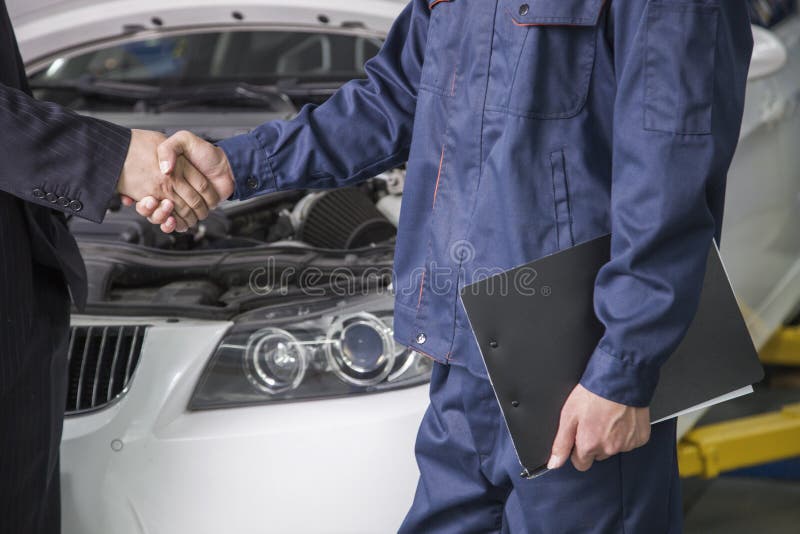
279	247
341	219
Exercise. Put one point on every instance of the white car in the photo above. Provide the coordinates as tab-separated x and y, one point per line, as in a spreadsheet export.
212	389
203	397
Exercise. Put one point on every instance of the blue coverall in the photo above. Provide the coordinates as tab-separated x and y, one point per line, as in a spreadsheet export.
529	126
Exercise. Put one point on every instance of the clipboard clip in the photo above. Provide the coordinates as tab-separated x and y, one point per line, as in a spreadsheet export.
529	474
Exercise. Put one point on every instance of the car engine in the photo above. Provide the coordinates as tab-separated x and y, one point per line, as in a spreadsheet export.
340	219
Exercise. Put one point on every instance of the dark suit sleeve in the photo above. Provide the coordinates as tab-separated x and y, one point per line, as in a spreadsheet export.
56	158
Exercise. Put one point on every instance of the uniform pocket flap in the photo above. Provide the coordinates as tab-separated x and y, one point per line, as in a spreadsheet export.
558	12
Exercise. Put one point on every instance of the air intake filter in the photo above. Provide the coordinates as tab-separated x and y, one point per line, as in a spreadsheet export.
340	219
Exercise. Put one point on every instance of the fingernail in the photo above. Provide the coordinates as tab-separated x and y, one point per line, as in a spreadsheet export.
150	203
553	462
164	166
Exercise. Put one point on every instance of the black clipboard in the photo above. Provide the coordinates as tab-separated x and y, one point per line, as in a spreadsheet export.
536	341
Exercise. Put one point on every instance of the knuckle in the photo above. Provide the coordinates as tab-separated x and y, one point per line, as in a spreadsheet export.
588	446
203	186
197	203
185	211
164	187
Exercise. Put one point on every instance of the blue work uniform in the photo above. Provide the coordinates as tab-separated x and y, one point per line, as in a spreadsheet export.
529	126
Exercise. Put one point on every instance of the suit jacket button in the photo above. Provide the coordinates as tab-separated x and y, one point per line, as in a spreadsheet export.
75	205
38	193
52	198
252	183
63	202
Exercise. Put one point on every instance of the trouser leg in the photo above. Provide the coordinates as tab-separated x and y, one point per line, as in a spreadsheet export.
453	495
470	483
31	417
634	492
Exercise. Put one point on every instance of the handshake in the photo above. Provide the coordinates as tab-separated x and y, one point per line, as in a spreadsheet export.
174	181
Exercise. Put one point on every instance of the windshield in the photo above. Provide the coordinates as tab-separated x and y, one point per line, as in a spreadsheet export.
258	57
290	59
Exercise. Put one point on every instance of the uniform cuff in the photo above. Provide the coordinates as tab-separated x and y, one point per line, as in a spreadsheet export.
620	381
251	170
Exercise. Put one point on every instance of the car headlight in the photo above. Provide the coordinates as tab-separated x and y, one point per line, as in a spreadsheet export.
310	350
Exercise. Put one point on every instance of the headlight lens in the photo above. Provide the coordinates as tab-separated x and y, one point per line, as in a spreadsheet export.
274	361
360	349
322	349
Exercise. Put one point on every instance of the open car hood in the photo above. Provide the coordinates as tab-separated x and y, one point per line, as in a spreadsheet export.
46	27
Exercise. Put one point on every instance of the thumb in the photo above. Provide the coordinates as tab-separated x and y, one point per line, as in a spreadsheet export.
169	150
564	442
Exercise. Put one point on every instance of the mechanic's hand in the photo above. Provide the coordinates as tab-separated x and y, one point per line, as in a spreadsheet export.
210	160
143	178
593	428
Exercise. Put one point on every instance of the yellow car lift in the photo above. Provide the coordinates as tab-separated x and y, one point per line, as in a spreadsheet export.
783	348
710	450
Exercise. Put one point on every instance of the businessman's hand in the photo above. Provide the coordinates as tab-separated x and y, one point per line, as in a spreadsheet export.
208	159
593	428
143	177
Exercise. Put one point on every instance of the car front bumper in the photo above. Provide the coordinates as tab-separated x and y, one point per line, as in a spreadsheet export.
146	464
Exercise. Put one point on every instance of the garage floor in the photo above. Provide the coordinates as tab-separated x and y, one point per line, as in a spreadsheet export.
746	505
763	501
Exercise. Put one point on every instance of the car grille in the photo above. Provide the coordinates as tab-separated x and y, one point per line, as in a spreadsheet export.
102	360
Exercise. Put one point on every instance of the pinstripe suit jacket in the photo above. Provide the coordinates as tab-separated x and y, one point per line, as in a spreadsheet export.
52	162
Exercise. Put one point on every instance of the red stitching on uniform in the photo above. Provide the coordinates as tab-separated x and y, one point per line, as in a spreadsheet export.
430	6
438	177
425	354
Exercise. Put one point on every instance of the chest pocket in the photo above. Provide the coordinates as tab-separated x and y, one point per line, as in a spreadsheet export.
443	46
542	57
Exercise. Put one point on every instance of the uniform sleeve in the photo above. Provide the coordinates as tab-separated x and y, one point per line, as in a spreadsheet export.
362	130
58	159
681	68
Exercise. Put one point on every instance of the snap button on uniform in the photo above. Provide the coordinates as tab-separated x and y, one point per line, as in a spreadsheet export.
422	338
252	183
52	198
75	205
38	193
523	9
